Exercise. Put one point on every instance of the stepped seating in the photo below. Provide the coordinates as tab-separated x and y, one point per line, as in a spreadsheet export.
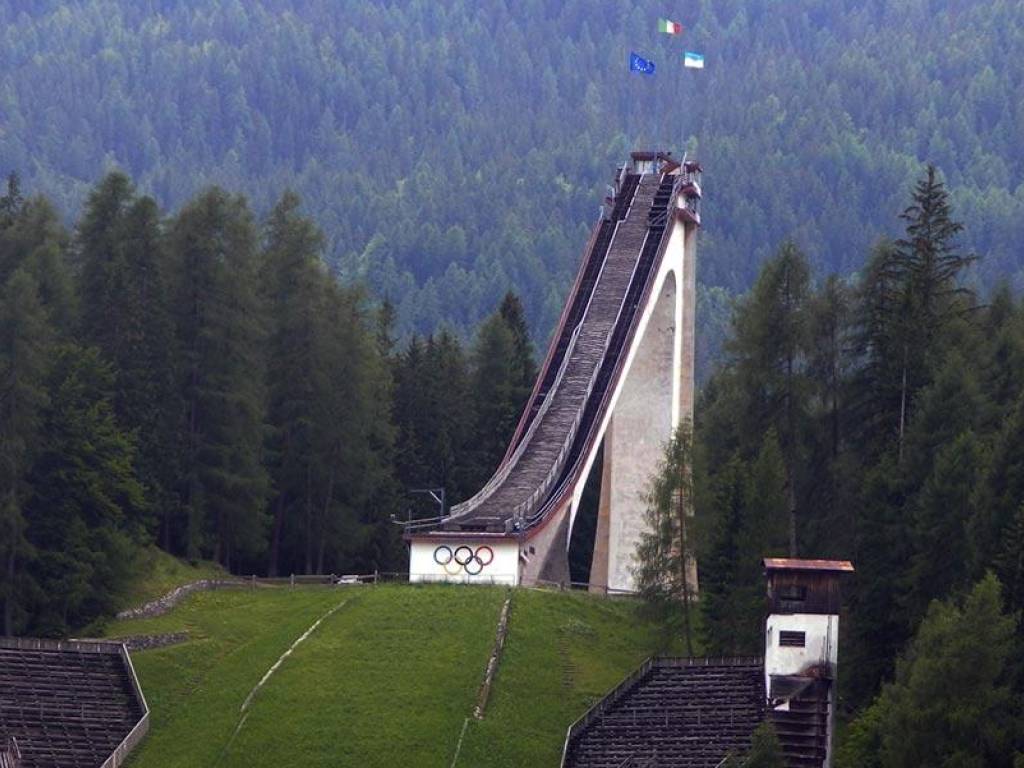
675	713
66	708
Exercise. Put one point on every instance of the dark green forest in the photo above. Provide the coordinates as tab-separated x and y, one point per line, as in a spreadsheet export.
193	356
878	419
201	381
881	420
452	150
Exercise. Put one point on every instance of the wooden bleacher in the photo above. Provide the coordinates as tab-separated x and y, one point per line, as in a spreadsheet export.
69	704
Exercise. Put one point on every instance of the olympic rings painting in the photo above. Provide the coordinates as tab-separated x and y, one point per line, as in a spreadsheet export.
463	559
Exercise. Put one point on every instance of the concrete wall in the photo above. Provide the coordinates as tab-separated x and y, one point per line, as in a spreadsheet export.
652	397
821	632
821	646
435	560
641	425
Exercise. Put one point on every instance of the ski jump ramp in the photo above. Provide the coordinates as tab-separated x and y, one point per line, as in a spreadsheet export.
618	372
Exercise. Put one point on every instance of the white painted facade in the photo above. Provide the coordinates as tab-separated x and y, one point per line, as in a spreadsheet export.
465	560
820	644
821	635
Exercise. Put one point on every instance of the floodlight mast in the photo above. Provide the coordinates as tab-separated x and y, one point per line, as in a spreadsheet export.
437	494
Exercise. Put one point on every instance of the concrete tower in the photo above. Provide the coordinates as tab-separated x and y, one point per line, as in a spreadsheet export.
801	654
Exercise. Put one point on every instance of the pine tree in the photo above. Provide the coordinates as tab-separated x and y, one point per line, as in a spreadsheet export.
763	534
881	549
410	415
497	393
221	328
950	704
1009	562
37	242
104	273
765	751
446	427
769	352
11	201
386	318
353	436
127	315
1002	342
665	566
911	295
826	457
720	512
87	511
933	260
329	406
940	563
24	362
747	522
999	491
828	358
292	290
524	365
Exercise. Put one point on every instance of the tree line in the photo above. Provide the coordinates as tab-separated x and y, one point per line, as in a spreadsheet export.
879	419
203	382
453	150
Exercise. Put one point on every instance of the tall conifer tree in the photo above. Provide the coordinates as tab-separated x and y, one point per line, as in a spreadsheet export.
126	313
221	328
291	285
769	349
497	392
87	511
24	361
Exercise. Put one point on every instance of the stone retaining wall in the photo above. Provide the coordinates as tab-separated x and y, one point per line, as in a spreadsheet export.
163	604
148	642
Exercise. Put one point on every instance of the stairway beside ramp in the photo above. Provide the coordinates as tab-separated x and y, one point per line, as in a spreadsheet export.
579	369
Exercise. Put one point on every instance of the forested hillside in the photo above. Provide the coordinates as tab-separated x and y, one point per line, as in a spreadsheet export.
452	150
880	420
200	381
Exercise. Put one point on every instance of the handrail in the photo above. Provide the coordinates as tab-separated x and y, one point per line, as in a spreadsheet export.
612	697
499	477
519	511
604	703
141	727
502	474
10	755
571	435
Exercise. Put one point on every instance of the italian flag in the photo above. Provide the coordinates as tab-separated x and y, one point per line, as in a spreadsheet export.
670	27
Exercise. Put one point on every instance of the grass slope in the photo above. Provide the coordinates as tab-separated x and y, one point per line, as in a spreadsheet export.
157	573
386	680
563	653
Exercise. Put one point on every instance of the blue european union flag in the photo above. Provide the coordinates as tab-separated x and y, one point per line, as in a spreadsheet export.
640	64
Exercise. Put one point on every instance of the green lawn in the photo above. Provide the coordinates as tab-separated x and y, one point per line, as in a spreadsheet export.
563	653
386	680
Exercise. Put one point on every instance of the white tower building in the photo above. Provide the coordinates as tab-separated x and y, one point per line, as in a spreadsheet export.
801	654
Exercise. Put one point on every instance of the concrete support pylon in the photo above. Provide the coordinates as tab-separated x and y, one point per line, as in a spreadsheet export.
654	394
